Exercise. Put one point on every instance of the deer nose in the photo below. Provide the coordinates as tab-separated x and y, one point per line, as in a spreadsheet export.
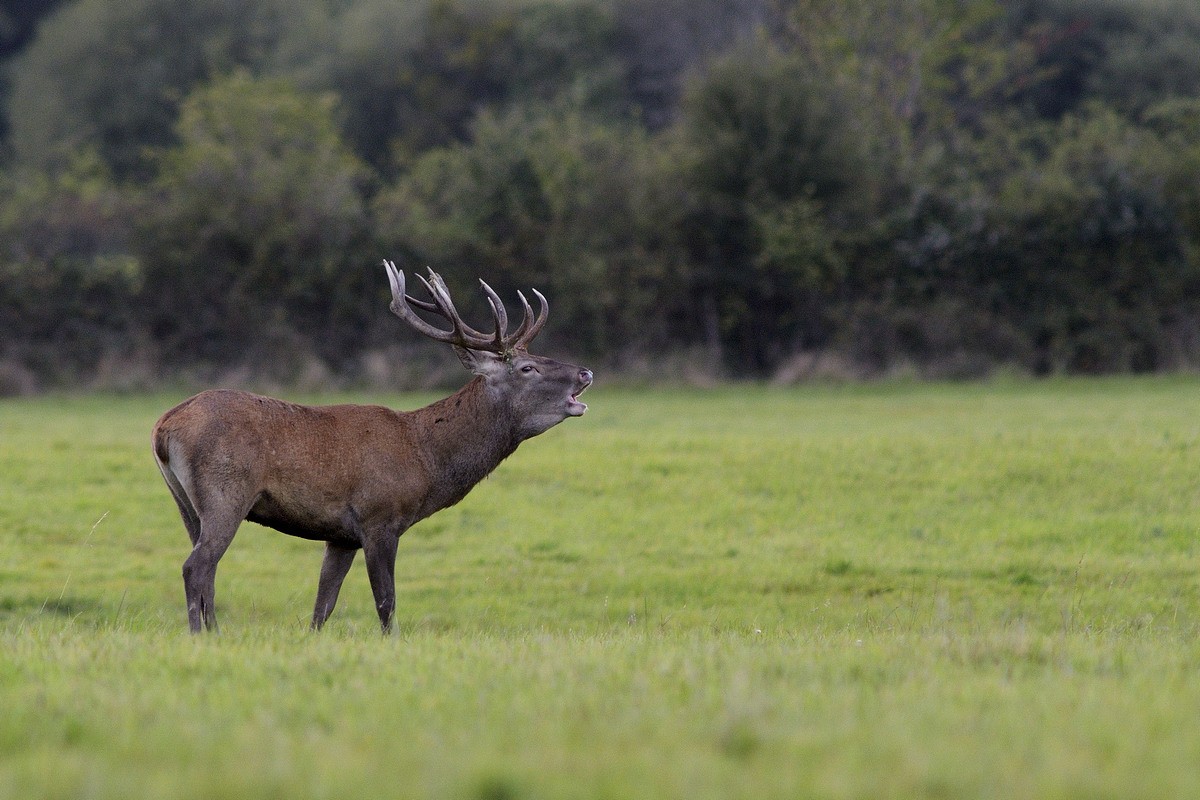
585	376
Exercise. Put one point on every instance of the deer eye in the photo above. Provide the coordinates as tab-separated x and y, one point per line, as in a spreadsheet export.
528	368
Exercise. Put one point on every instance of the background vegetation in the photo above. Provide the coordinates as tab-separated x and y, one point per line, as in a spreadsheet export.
761	187
982	590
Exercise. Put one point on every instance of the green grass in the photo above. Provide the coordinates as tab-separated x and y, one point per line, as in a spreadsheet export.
978	591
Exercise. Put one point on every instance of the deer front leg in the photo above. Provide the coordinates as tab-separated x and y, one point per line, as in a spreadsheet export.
334	567
380	553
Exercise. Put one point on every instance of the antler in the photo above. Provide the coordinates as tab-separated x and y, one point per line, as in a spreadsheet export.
462	334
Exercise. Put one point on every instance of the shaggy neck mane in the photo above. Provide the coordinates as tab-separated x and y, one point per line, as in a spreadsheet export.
464	437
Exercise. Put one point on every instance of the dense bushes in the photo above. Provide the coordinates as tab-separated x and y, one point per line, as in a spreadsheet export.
556	200
67	276
866	185
249	229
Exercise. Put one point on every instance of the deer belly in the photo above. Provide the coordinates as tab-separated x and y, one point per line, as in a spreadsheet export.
306	522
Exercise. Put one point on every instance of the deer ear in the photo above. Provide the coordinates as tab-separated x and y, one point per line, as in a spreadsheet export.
480	362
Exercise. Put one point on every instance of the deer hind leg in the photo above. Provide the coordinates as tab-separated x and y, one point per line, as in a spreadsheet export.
334	567
220	517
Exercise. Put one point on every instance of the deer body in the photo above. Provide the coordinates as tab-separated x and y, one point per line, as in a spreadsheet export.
353	476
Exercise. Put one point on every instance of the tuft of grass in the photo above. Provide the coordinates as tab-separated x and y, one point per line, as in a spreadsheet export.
894	590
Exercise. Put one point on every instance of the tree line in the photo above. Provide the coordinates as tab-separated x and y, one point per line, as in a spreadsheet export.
206	189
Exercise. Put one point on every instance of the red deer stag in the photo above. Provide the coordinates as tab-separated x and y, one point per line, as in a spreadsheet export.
357	477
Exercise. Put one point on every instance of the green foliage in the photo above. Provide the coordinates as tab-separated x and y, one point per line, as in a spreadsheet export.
1130	54
1102	254
796	247
413	76
975	591
554	200
65	275
1069	235
913	76
771	159
111	75
1177	125
661	43
933	186
566	50
766	130
252	219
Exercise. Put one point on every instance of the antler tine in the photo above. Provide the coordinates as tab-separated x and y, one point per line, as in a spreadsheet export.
526	320
400	307
462	335
474	339
529	331
440	294
424	305
500	315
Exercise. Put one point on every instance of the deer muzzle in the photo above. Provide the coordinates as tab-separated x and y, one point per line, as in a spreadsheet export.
574	407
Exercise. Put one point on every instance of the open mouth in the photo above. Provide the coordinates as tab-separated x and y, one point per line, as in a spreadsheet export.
574	407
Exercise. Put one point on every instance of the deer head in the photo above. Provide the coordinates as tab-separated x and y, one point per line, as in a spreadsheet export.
537	392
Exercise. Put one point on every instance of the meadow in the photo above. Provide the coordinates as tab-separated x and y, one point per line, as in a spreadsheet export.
885	591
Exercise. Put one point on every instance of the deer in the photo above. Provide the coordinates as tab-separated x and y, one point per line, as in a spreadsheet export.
358	476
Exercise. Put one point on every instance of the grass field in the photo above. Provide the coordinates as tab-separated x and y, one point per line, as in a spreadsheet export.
975	591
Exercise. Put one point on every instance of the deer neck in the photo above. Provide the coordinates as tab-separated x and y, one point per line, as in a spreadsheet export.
466	436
